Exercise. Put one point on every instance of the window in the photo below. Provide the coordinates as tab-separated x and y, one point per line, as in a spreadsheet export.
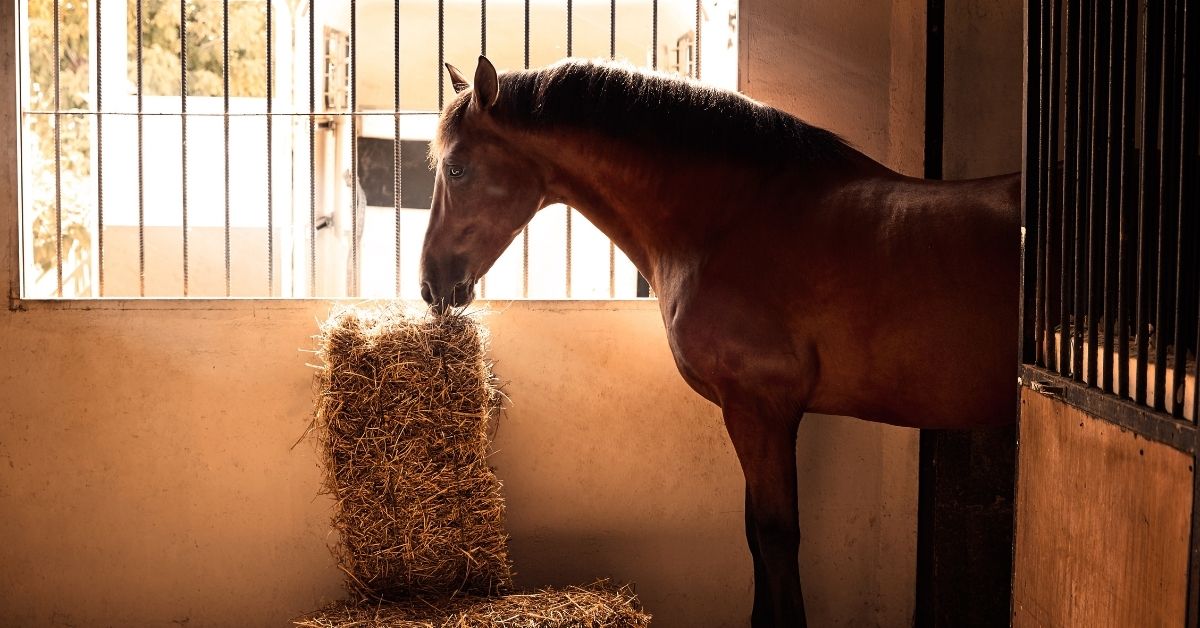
232	155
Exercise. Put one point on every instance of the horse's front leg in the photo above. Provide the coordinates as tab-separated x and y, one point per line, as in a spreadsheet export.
766	448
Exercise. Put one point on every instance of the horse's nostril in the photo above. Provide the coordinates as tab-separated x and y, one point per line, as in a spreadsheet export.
426	292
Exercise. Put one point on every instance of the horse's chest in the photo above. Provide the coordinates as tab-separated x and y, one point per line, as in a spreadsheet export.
727	346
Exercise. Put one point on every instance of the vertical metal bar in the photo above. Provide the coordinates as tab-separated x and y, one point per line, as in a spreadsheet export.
1051	177
1167	218
225	104
1148	198
643	286
1070	176
1193	195
100	144
397	177
354	289
1186	295
483	52
696	61
441	17
525	231
1082	106
1112	164
612	29
1126	194
141	170
1098	155
1043	161
570	52
612	54
654	34
312	151
58	244
567	285
270	150
1031	207
183	117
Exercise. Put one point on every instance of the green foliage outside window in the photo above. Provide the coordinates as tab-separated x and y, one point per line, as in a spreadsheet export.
160	67
160	47
74	93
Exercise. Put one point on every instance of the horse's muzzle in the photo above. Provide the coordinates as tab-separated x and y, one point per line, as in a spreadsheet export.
443	299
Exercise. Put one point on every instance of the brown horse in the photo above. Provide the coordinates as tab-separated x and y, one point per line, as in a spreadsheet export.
793	272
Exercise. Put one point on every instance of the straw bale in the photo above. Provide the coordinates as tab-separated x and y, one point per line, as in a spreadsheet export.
403	403
599	605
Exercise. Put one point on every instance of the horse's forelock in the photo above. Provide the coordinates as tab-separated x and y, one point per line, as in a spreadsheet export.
447	125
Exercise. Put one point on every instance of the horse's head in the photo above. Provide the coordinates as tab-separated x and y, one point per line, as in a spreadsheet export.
485	191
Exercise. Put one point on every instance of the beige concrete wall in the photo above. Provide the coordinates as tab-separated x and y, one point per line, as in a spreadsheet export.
984	53
149	475
855	68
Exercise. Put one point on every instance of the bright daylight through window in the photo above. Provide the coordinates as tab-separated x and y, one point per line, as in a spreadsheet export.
251	150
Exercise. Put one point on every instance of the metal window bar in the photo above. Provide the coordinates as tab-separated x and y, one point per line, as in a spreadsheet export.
58	233
696	50
483	52
569	211
141	113
441	65
141	165
312	152
525	231
183	118
225	125
99	149
612	54
396	156
353	288
1112	176
270	61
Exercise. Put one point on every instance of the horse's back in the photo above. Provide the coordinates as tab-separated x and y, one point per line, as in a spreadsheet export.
908	289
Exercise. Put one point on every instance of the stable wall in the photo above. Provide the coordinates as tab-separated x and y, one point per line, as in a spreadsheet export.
149	474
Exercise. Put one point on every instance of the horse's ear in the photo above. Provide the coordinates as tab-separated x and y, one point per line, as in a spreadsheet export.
487	84
457	79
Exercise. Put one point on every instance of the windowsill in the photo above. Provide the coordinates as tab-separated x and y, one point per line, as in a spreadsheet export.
290	304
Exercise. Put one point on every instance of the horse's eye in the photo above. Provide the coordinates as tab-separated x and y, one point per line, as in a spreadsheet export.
454	171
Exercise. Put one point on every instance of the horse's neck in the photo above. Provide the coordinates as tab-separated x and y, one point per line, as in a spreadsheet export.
654	206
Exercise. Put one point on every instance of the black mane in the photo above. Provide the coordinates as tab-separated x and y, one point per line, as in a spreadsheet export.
622	102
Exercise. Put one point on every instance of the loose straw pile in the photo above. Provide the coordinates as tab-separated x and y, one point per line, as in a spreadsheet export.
401	422
599	605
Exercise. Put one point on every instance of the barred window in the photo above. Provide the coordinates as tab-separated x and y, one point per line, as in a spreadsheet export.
261	148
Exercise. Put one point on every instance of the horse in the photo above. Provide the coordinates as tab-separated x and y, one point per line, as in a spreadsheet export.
793	272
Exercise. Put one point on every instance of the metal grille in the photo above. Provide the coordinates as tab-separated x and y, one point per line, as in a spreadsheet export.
1111	179
1111	280
190	155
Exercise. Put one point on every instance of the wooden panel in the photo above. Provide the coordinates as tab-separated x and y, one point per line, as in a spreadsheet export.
1103	520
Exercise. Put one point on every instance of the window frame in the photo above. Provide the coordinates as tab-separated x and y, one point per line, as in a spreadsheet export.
13	242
